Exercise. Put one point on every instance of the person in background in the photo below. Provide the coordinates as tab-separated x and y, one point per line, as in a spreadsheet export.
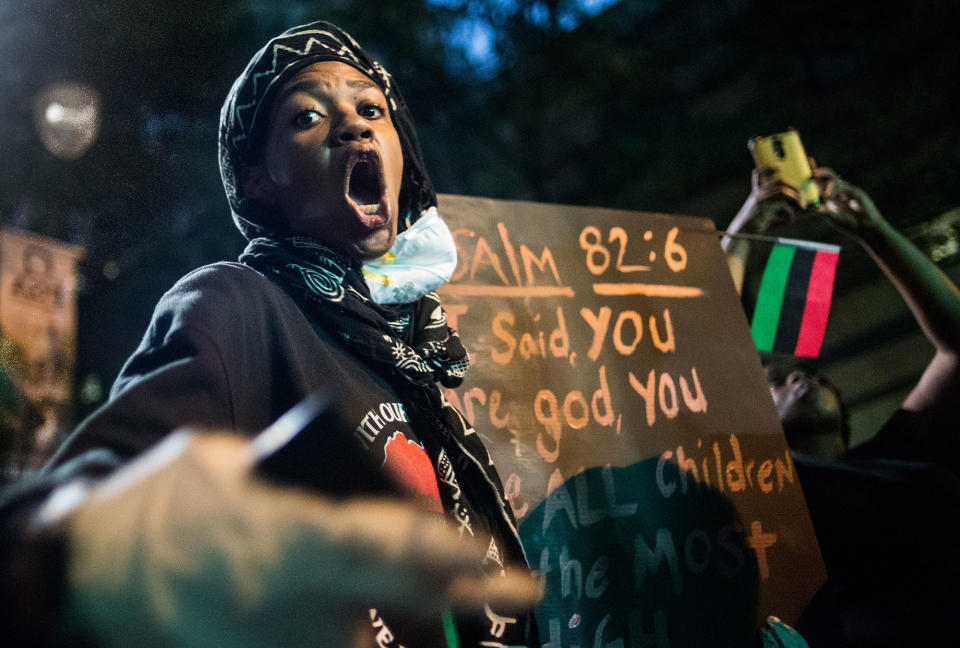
809	406
143	529
884	511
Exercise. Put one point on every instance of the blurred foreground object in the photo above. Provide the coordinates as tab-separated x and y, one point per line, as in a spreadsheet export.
199	551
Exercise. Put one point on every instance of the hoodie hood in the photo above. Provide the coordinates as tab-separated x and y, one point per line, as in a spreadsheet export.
244	113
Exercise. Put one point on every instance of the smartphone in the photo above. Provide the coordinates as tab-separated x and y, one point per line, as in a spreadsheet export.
783	152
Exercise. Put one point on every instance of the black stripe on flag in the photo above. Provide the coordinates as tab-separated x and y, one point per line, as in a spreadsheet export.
794	300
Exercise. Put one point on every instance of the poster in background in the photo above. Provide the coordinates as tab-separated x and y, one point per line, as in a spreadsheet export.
37	342
616	383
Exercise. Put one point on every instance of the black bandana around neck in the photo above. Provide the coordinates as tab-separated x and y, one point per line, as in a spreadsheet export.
412	340
414	348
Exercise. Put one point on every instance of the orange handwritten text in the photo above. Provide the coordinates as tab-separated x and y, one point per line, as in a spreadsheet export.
662	391
723	472
536	344
627	331
575	412
499	270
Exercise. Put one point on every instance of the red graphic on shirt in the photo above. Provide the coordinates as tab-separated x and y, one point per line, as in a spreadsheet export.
408	463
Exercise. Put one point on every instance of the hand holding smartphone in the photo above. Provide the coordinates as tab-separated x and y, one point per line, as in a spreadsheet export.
783	154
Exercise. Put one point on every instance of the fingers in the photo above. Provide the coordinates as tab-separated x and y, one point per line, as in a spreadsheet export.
841	196
405	559
822	172
766	179
850	208
841	190
762	177
767	184
843	201
511	592
187	538
825	179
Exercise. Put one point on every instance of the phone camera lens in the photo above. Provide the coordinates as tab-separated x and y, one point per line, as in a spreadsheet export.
778	149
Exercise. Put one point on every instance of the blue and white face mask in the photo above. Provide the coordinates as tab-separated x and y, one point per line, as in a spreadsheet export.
422	259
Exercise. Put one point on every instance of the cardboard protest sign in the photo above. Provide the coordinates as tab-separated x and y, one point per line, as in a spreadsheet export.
38	333
616	383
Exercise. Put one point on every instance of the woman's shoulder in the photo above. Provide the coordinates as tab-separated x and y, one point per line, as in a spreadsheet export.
225	281
222	275
223	292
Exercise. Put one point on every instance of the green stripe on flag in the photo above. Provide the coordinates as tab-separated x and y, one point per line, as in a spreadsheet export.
766	315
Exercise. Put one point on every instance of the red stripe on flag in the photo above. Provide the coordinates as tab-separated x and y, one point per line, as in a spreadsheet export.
819	295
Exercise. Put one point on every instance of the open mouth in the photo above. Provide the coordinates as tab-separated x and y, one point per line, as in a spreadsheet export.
364	188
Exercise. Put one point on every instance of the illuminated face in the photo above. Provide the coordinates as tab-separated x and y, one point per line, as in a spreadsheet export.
806	403
332	162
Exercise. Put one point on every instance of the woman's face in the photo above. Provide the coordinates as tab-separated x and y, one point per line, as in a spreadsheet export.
332	162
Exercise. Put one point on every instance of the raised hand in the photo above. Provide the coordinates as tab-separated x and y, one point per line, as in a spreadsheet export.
846	206
187	546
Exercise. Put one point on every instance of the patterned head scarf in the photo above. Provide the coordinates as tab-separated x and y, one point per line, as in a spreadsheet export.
245	111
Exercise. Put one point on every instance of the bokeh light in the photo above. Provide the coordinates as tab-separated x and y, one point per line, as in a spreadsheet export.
67	118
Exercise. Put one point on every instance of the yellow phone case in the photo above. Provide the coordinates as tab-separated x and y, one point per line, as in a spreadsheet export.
784	153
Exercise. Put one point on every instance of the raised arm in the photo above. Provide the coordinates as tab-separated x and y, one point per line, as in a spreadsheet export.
931	296
769	203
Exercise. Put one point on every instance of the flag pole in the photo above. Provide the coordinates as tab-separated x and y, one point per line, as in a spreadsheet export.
810	245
